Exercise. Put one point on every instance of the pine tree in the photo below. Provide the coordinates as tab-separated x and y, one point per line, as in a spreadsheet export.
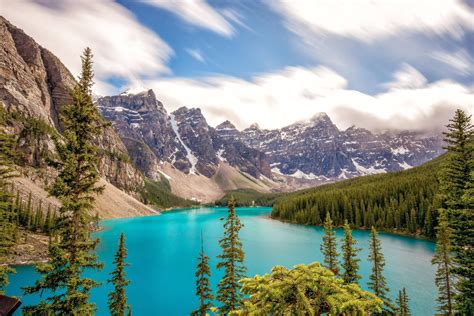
329	246
48	222
457	180
350	262
203	288
403	308
76	188
232	259
377	282
7	220
442	258
118	298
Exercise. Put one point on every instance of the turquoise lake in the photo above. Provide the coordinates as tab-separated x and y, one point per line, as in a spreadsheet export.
162	252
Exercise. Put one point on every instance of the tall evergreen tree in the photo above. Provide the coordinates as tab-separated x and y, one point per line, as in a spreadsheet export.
350	262
232	260
457	180
329	246
7	215
377	282
442	258
203	287
76	188
403	309
118	297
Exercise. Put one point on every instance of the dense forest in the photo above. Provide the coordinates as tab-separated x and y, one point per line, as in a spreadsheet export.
158	193
404	201
249	197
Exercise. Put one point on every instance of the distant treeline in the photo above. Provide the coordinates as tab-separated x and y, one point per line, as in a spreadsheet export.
249	197
405	201
158	193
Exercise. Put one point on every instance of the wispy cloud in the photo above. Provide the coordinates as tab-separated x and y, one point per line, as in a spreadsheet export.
277	99
196	12
459	60
407	77
122	47
196	54
368	20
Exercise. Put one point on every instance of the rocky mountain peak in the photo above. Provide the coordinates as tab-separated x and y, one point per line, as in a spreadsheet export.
254	126
226	125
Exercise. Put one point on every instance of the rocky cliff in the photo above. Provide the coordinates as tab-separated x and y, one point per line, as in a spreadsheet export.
34	87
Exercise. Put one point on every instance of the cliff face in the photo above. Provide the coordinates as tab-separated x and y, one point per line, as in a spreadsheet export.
34	87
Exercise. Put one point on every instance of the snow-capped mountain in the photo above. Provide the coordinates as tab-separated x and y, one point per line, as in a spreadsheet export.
317	149
182	138
313	151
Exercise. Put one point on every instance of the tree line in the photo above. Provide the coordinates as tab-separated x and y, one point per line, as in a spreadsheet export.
404	201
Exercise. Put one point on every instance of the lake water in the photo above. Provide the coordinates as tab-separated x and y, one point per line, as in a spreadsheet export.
162	252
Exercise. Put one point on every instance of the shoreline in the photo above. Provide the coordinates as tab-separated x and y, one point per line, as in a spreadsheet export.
380	230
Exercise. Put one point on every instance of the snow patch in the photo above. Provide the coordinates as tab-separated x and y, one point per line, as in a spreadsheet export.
189	154
404	165
400	150
363	170
220	154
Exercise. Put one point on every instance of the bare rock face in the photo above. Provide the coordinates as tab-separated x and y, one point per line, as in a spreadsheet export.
143	124
230	148
182	138
34	87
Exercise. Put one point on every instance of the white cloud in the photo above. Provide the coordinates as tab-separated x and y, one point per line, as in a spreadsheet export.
197	12
121	45
196	54
296	93
407	78
368	20
458	60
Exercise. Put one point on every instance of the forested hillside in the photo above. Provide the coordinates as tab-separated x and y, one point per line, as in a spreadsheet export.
405	201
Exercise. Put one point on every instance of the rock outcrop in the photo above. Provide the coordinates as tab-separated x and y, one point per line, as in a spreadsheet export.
34	88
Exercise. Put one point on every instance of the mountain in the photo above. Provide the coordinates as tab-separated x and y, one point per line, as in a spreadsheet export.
182	139
303	154
317	149
34	88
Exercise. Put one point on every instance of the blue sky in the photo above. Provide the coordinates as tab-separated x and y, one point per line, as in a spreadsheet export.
374	63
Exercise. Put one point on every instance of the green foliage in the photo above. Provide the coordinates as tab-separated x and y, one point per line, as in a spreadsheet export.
158	193
329	246
442	258
350	262
232	259
377	282
405	201
118	298
249	197
402	304
203	286
75	187
457	181
7	214
305	290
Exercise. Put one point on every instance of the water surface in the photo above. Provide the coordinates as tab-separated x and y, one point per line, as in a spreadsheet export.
163	252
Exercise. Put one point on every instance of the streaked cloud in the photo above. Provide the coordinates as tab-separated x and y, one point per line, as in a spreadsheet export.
407	78
369	20
296	93
122	47
196	54
458	60
196	12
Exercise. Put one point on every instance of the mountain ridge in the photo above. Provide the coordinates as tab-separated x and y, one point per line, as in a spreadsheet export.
307	152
